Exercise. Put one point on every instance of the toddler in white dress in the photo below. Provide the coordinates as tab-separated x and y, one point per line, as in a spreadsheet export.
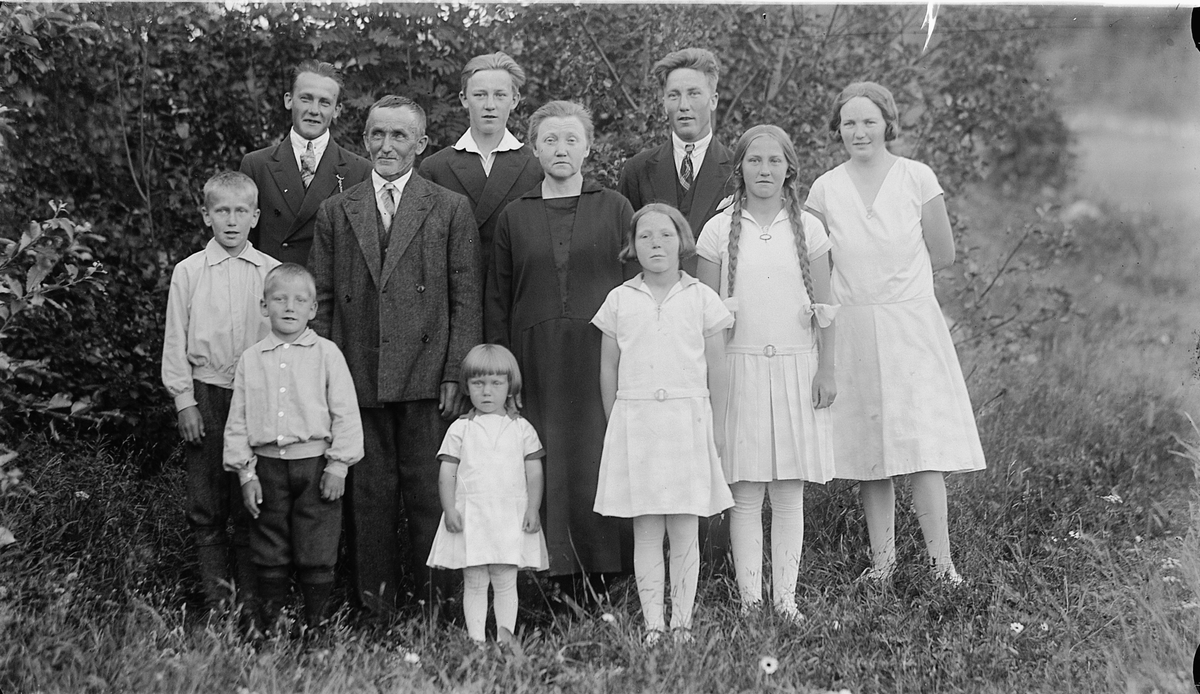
491	491
663	347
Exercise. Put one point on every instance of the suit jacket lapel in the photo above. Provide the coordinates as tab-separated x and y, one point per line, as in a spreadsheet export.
506	169
414	206
287	175
361	211
709	185
663	175
324	183
469	171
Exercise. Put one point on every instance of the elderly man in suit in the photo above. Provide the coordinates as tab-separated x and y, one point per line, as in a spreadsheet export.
689	171
488	164
295	176
396	263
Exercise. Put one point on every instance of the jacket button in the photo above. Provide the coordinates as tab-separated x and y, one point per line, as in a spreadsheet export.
347	298
285	244
424	338
277	212
420	287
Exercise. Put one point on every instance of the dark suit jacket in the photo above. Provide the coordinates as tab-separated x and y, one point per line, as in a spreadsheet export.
513	174
650	176
285	225
404	323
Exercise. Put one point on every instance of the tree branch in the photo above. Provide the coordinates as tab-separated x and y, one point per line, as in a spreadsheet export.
611	68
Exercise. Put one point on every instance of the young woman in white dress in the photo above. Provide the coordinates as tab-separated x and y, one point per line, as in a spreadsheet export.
769	260
903	408
491	492
662	349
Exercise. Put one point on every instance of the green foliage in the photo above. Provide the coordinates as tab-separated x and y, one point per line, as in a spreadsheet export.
123	110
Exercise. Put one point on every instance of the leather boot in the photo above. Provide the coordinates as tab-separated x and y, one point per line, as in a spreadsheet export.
316	603
214	575
272	595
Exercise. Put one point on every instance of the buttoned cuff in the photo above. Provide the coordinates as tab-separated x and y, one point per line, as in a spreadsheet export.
185	400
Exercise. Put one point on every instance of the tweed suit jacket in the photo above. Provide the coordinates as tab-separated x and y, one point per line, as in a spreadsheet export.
650	176
405	318
285	225
513	174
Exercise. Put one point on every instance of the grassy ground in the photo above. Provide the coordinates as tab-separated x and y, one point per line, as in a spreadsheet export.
1077	543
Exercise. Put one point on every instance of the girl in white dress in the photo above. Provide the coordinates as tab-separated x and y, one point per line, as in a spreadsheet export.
491	492
661	351
903	408
768	259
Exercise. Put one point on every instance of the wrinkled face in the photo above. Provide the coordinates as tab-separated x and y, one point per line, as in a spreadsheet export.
863	128
313	102
656	241
231	213
561	146
290	303
488	392
764	168
689	103
489	98
394	137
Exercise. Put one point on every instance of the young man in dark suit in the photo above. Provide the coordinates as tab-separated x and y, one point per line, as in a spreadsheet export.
488	164
296	175
399	291
691	169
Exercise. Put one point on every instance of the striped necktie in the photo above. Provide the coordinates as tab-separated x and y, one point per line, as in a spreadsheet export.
686	174
308	164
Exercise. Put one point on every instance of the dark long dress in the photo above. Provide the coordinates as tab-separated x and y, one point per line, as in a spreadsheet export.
543	316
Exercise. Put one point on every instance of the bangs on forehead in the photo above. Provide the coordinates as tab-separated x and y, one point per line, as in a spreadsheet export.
487	363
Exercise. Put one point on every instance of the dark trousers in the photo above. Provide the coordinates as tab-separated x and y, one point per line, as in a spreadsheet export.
214	496
399	470
295	528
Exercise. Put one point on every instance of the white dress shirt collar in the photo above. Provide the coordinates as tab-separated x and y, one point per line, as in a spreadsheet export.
299	144
508	143
697	154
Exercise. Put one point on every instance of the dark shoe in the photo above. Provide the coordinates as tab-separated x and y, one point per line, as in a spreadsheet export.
316	603
214	575
273	592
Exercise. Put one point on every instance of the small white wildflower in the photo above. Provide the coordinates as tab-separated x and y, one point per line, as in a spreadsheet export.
1170	579
1016	627
1137	539
1075	534
1113	498
412	658
83	495
1044	627
1170	563
836	625
768	665
608	617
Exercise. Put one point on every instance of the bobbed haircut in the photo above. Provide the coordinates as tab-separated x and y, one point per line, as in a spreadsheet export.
687	240
321	68
289	271
230	182
879	95
395	101
698	59
488	359
562	109
494	61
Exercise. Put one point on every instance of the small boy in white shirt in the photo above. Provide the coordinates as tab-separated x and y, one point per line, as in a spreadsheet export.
292	434
213	315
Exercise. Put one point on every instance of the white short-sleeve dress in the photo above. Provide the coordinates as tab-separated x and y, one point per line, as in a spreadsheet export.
772	430
659	456
491	495
902	404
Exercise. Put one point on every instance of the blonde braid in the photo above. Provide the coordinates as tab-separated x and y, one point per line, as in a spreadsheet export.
795	209
735	233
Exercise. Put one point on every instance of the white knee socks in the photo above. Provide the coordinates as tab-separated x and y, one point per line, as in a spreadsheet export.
787	538
649	569
503	578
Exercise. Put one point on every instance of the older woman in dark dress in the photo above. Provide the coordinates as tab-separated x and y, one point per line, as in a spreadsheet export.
554	261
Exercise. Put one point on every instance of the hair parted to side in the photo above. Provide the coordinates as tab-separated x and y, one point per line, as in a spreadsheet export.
698	59
791	200
488	359
289	271
562	109
230	181
396	101
879	95
494	61
318	67
687	240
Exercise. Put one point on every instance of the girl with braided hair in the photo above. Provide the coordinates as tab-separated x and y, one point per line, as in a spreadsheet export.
905	411
768	259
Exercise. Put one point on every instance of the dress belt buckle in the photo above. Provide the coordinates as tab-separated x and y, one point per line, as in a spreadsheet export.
769	351
660	394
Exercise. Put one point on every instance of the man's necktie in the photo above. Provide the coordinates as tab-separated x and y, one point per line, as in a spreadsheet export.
388	195
686	175
308	164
